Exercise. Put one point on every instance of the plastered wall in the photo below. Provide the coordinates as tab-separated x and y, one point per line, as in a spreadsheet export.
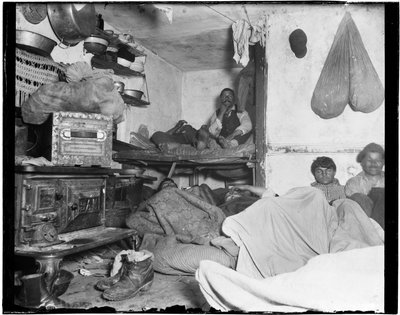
164	86
295	135
200	96
200	93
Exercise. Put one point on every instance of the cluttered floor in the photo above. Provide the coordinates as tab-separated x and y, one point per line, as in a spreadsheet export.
168	293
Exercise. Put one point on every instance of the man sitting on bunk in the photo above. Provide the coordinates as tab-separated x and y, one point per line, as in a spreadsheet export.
229	126
324	170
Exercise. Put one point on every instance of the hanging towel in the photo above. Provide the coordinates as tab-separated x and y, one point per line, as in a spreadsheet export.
241	34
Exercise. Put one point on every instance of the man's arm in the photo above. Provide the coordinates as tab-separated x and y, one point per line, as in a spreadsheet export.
244	127
353	186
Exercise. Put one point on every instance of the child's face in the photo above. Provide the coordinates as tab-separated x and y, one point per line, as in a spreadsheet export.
324	175
372	163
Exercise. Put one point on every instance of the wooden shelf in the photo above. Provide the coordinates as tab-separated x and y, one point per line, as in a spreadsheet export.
130	100
101	62
116	42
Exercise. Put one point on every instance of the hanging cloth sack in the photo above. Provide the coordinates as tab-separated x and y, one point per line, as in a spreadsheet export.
331	93
348	76
366	89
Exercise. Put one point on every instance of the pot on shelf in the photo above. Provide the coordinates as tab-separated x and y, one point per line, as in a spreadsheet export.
72	22
95	44
119	86
34	43
133	93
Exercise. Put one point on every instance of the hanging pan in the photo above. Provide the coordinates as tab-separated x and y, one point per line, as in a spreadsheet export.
72	22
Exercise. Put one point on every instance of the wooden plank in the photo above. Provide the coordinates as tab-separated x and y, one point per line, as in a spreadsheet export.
261	108
98	237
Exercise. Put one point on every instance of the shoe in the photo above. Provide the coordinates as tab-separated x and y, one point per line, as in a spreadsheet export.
105	284
138	276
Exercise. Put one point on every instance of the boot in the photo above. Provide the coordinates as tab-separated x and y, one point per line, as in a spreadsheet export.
105	284
138	276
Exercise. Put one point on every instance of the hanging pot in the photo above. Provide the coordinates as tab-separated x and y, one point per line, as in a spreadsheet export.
34	43
72	22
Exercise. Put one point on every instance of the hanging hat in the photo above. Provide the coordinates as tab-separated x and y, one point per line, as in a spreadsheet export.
298	41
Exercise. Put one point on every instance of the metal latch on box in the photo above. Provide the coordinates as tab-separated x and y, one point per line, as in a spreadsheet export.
68	134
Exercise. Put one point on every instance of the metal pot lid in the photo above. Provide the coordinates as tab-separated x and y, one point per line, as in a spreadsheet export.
34	12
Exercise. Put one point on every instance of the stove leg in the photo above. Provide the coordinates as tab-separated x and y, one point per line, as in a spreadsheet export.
50	267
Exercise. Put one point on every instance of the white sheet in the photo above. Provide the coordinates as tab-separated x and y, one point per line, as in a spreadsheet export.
346	281
277	237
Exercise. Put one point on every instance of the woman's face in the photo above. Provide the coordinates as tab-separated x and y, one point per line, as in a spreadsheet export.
324	175
372	163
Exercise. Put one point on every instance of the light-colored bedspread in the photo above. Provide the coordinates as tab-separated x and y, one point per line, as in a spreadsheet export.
278	237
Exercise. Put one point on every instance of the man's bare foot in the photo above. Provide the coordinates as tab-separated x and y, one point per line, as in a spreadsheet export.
201	145
223	142
203	134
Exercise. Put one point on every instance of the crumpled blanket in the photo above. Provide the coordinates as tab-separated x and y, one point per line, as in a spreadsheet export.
178	227
172	211
277	236
94	95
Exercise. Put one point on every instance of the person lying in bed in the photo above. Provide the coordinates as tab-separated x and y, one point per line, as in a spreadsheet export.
324	170
181	133
368	187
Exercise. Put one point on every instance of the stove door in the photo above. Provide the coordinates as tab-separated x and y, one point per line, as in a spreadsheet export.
84	203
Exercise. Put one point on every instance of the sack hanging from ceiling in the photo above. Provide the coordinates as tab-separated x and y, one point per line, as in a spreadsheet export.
348	76
366	89
331	93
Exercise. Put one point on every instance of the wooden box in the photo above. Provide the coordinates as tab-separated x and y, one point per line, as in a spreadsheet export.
76	139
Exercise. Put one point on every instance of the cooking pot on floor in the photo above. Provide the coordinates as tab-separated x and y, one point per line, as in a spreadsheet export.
72	22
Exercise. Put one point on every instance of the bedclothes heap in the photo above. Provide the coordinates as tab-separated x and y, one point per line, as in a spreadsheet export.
278	236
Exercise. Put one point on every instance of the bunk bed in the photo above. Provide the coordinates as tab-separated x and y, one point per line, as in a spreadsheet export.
238	162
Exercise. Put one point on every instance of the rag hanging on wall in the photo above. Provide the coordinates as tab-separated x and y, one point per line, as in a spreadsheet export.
348	76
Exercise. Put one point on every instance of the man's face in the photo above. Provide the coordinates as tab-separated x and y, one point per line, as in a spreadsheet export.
227	98
372	163
324	175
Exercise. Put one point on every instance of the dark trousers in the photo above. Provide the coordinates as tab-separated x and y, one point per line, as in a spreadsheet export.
186	135
373	204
